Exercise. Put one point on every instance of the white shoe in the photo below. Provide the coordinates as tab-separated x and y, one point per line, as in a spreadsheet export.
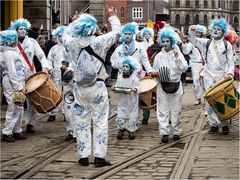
205	113
198	102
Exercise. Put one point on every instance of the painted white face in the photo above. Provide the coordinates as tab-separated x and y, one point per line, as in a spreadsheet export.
199	34
126	68
147	36
128	36
217	32
166	43
59	38
22	31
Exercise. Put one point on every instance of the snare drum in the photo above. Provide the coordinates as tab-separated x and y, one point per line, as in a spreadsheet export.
224	99
148	95
42	91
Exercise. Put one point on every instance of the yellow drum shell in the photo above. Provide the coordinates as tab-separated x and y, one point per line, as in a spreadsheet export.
147	97
224	99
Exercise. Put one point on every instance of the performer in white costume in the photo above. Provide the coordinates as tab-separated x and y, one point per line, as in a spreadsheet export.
130	47
91	103
170	63
146	34
127	114
56	56
27	48
219	63
59	60
197	63
13	81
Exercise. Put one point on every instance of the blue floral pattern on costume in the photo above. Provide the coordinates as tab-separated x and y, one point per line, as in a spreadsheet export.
97	46
81	127
81	146
98	99
101	138
77	109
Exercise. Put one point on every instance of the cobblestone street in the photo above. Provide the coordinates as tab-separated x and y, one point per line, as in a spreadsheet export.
197	155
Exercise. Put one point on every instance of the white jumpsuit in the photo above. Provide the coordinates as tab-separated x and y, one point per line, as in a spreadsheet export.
56	55
214	68
91	105
31	48
127	114
196	66
13	80
169	104
140	54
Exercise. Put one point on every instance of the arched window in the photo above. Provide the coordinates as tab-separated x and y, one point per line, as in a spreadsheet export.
212	16
187	19
196	19
205	21
236	20
177	20
219	16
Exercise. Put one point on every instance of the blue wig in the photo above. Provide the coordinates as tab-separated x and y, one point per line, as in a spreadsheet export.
201	28
146	30
220	23
8	37
130	27
168	32
20	22
85	25
59	31
130	62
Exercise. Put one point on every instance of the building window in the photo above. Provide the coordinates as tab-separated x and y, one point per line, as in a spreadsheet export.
235	20
236	5
137	13
197	4
122	13
187	19
212	16
205	20
177	3
196	19
187	3
213	4
219	16
177	20
205	4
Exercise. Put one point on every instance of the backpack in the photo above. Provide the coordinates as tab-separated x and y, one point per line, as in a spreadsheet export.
85	73
208	44
187	57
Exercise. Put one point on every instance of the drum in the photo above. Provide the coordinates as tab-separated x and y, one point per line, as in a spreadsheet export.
224	99
148	95
43	92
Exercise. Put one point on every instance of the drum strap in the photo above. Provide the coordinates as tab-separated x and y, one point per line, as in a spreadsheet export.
31	66
203	61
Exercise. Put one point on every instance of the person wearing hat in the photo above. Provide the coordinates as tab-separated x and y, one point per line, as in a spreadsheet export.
13	83
27	48
91	104
170	63
127	114
197	62
219	64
